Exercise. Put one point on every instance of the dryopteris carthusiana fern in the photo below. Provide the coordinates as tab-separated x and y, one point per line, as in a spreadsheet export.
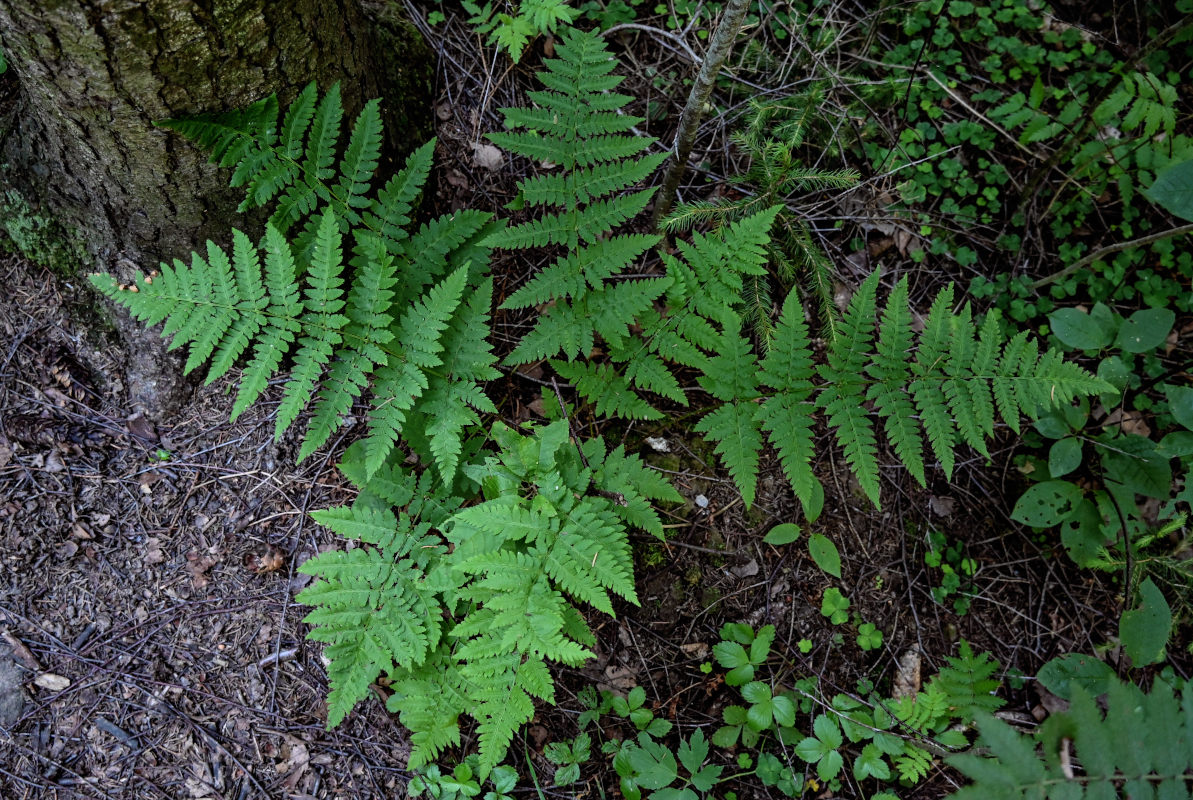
353	298
577	127
412	317
949	392
466	629
465	608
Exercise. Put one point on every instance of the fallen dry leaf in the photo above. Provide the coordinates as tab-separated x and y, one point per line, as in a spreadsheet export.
618	679
55	683
907	676
296	765
487	156
198	564
942	506
153	551
265	559
20	652
1130	422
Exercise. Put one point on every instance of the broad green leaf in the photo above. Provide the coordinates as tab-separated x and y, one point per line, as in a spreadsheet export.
1060	674
1047	504
1064	456
693	751
1180	404
1080	330
1115	371
1173	190
1082	533
1146	329
1133	462
756	692
825	554
825	728
786	533
730	654
1144	630
830	766
1177	444
871	764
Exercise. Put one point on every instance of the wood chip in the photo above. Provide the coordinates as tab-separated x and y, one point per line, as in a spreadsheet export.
20	652
907	676
52	682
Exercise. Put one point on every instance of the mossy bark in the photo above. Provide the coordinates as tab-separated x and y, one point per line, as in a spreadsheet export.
93	75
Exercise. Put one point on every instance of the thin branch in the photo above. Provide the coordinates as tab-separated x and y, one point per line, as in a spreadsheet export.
689	120
1105	251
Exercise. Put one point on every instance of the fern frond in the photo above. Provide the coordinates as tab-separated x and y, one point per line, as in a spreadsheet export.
429	703
734	427
969	685
608	391
321	324
1136	747
360	159
891	371
577	127
735	430
927	389
587	267
420	330
787	415
842	398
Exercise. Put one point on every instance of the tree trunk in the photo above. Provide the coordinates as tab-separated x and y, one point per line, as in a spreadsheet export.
94	74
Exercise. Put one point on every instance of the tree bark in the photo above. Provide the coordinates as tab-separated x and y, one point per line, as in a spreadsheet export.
94	75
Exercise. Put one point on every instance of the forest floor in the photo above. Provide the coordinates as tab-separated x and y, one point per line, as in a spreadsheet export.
152	647
148	577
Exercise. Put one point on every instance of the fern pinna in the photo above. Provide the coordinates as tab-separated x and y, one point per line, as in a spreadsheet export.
576	125
354	297
472	628
1131	745
949	391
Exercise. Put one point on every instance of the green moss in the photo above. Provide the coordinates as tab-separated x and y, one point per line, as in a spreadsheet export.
43	240
650	554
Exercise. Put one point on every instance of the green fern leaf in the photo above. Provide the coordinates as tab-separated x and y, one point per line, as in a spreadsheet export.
787	415
734	428
968	684
843	396
891	371
360	159
366	333
298	121
420	331
320	151
429	704
282	326
608	391
321	323
927	389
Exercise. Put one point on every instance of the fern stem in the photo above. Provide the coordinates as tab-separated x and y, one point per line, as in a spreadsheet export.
689	121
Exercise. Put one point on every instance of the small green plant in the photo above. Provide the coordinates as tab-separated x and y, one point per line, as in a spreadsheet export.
1103	458
771	138
569	756
732	653
514	29
869	637
835	606
647	765
957	570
